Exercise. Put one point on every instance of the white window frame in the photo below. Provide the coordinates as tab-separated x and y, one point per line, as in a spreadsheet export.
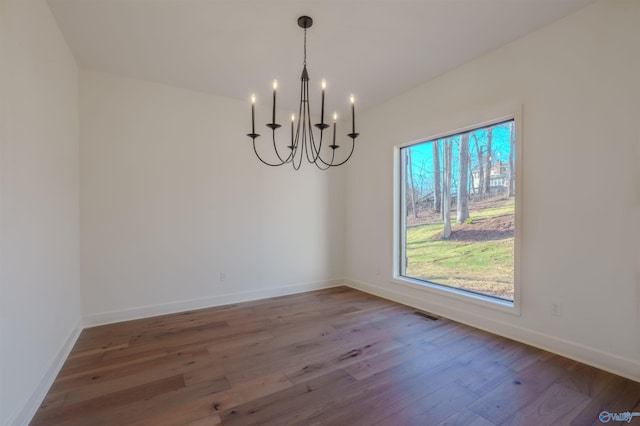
481	118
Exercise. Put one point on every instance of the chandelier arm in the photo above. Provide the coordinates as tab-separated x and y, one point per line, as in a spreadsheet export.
275	148
353	137
297	147
300	130
326	166
299	164
295	143
315	150
308	141
261	159
330	164
333	155
312	154
353	145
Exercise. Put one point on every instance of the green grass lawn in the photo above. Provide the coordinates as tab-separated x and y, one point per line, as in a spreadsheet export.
483	266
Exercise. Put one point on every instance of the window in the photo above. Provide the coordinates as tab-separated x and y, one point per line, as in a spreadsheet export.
457	213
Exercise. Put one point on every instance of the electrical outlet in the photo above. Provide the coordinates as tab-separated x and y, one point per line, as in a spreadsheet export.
223	276
556	309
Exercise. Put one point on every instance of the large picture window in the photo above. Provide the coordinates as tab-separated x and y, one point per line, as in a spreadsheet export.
457	211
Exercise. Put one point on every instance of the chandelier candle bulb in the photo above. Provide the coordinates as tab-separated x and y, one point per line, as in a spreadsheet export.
275	86
253	114
353	114
335	118
293	118
324	86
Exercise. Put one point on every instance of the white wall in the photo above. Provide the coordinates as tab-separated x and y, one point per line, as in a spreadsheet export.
39	214
578	81
172	196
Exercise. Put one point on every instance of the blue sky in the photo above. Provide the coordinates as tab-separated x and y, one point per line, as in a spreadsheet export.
422	157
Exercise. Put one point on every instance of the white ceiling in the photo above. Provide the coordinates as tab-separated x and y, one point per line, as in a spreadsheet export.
374	49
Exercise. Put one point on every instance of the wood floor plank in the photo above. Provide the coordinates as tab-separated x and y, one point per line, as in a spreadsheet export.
101	365
91	386
483	376
88	406
466	417
383	361
331	357
432	409
291	406
124	372
151	409
616	397
587	380
390	391
210	420
558	405
516	392
298	354
249	391
340	357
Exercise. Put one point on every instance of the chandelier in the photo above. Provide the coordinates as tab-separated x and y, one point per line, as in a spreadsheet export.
303	142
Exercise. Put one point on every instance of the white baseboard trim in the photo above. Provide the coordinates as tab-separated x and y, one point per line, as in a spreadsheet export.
25	414
93	320
607	361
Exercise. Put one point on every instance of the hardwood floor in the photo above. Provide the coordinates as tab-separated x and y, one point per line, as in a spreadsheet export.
334	357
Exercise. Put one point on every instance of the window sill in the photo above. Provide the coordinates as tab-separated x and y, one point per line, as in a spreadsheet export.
506	306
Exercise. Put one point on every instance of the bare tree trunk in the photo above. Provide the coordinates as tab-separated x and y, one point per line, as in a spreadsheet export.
437	194
446	188
412	187
472	183
480	165
487	179
462	207
512	153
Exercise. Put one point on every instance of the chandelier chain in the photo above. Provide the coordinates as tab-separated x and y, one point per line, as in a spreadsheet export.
305	47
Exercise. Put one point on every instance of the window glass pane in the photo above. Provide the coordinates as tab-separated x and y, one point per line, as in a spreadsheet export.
458	210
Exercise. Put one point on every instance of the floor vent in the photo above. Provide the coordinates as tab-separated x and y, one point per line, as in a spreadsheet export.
427	315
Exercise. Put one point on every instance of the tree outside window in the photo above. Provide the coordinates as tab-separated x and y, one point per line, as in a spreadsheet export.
458	208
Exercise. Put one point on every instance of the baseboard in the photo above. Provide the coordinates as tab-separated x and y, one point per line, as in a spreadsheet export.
111	317
612	363
24	415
